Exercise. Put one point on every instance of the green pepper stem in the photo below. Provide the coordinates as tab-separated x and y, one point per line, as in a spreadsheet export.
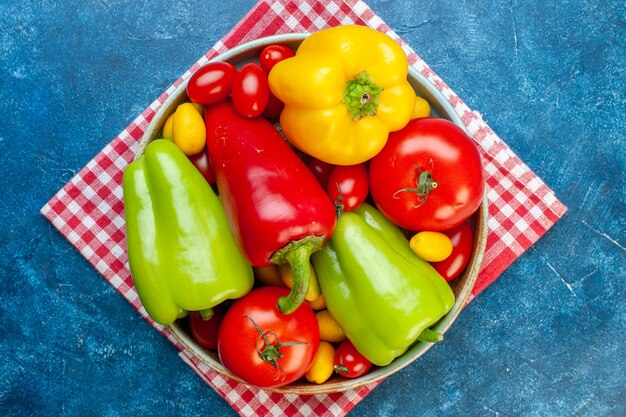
297	254
206	314
430	336
361	96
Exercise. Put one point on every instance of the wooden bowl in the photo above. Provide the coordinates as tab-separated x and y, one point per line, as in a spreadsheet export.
461	286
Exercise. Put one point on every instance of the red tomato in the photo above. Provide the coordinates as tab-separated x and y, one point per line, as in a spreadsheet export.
348	186
261	345
349	362
250	90
462	238
211	83
203	164
321	170
204	332
273	108
273	54
428	176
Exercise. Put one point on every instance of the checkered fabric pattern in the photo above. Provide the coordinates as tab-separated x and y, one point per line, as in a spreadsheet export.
88	210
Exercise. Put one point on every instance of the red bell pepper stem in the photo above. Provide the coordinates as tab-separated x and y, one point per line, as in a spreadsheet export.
297	254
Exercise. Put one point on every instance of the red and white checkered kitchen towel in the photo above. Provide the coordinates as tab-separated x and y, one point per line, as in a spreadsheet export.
88	211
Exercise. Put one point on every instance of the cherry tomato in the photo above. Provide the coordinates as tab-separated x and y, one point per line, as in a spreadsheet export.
348	186
273	108
250	90
204	332
349	362
261	345
273	54
203	164
462	238
211	83
428	176
321	170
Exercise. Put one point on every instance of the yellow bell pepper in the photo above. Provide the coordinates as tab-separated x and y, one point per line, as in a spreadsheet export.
344	91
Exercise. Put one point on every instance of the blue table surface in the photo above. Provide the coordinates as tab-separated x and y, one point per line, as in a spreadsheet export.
546	339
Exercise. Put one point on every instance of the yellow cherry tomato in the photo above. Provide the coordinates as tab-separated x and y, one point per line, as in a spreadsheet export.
322	366
330	330
188	129
268	275
421	109
431	246
314	287
167	128
319	303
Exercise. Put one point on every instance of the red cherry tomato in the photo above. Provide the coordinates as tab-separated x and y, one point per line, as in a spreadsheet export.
273	108
261	345
462	238
250	90
348	186
204	332
203	164
211	83
321	170
273	54
428	176
349	362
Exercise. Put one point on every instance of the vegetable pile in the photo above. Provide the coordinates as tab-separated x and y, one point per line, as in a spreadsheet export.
302	214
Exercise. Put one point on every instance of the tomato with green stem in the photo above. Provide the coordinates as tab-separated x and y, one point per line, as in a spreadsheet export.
263	346
349	362
428	176
348	186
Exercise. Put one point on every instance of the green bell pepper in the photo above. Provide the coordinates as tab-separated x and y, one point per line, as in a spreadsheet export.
382	295
181	252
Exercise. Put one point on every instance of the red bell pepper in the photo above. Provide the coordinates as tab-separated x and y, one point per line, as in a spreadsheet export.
276	208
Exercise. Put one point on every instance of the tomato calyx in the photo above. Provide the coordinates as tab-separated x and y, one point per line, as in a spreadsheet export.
341	369
339	206
361	96
268	352
425	184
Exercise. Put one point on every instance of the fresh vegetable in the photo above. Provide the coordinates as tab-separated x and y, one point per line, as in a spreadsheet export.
276	208
204	330
382	295
211	83
286	275
344	91
321	170
429	176
188	129
273	108
421	109
268	275
250	91
273	54
462	239
431	246
181	252
322	367
167	132
330	330
348	186
348	362
203	164
263	346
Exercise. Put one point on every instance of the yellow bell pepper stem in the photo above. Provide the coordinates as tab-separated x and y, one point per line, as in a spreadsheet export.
361	96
